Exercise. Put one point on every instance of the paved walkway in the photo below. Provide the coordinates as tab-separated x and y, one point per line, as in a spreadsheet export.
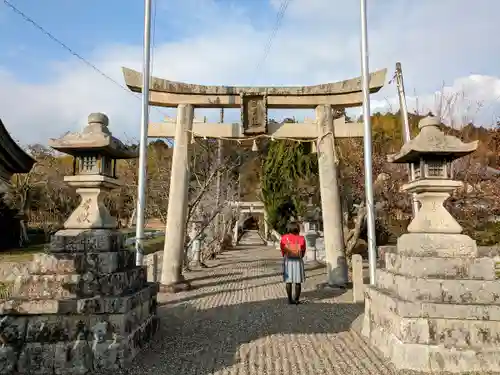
237	321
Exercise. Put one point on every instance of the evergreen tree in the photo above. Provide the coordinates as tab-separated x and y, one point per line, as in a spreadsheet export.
287	167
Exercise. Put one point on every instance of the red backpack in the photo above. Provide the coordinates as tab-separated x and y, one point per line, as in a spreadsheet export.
293	250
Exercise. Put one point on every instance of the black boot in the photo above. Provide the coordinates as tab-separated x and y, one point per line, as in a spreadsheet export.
289	292
298	289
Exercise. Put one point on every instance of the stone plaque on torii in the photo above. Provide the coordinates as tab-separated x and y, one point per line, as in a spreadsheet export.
254	103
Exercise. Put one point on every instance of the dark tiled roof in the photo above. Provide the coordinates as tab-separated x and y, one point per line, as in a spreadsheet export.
12	157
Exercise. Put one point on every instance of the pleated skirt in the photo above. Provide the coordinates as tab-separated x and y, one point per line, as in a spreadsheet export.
293	270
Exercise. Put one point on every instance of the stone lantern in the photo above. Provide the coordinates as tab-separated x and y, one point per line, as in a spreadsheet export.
196	237
430	155
434	306
85	306
95	154
310	232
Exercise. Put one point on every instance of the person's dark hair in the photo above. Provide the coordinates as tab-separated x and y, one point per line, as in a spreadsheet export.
293	228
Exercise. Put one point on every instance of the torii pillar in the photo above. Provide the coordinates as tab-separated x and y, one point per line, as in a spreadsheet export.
173	253
331	203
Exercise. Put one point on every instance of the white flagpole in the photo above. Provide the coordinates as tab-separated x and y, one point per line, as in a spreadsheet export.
143	145
370	222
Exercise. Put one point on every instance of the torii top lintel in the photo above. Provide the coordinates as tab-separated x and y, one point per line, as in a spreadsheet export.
165	93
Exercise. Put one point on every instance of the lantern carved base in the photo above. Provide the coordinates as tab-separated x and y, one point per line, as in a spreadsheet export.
92	212
84	307
435	305
432	217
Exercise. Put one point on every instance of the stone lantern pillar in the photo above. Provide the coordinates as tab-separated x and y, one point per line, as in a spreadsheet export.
85	306
266	226
196	240
312	253
435	305
310	233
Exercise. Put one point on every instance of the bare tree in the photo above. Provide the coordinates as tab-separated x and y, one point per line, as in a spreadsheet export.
389	200
40	195
203	196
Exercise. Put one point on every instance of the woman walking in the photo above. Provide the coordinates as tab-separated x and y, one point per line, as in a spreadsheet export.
293	249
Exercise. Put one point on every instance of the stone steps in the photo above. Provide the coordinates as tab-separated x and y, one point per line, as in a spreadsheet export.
435	304
102	262
80	285
432	336
90	305
385	299
463	291
469	268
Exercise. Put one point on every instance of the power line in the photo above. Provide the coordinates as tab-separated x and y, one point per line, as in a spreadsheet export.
279	18
69	49
62	44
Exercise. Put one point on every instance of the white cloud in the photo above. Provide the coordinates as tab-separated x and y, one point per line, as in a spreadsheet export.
436	41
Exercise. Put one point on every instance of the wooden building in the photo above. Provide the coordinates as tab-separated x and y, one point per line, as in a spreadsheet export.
13	159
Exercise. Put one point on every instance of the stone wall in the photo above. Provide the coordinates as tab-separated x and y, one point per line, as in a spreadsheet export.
84	306
10	270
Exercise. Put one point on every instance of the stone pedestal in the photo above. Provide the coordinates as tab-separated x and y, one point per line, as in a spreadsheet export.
436	305
84	307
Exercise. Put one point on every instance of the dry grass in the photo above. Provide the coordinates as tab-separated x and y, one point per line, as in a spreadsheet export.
5	290
24	254
152	245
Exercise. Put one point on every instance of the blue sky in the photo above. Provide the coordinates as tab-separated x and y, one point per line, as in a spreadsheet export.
46	91
87	25
83	25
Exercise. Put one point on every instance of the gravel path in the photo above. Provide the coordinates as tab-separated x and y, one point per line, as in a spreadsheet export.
237	321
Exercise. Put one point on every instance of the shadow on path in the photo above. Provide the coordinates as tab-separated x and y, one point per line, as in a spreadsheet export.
232	277
313	295
206	277
192	341
210	294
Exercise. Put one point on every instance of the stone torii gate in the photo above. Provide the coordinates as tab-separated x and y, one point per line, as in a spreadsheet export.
254	103
249	208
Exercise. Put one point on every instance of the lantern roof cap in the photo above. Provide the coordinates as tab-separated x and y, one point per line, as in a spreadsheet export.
94	138
432	141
